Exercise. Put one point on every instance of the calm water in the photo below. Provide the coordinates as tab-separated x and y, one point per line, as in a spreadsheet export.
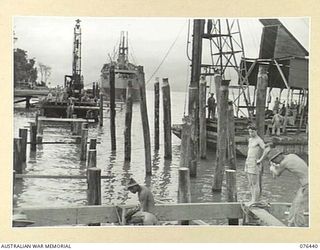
64	160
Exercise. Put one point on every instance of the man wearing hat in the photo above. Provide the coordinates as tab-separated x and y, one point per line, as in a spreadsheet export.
144	212
280	162
211	107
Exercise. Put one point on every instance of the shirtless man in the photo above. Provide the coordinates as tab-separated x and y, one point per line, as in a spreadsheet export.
276	123
252	166
143	213
280	162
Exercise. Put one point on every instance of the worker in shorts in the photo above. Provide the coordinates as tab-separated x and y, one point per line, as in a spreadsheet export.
252	167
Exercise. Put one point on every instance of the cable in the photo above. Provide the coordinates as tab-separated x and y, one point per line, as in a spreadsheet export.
174	42
187	49
186	91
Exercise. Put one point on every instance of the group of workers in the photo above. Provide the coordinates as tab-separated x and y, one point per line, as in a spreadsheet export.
258	152
277	115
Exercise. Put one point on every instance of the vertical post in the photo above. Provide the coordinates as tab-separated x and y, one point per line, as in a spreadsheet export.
33	136
13	182
156	113
217	83
112	109
193	107
77	130
17	159
94	188
39	131
92	158
101	110
145	121
221	135
94	89
84	138
184	194
202	118
231	191
287	112
166	118
185	142
23	133
93	144
231	137
302	108
73	126
128	122
262	84
28	102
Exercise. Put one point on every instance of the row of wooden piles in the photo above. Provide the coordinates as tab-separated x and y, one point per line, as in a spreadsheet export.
193	137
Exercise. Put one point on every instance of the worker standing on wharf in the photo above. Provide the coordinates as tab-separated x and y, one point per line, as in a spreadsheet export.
253	166
276	105
143	213
211	107
280	162
277	120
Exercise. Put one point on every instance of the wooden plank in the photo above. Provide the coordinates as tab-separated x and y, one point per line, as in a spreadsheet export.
75	107
52	119
44	216
266	218
30	92
101	214
196	211
106	213
51	216
38	176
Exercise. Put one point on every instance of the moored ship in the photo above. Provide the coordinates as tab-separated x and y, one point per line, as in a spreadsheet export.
124	72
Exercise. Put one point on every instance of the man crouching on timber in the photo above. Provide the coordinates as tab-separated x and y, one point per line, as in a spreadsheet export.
143	213
280	162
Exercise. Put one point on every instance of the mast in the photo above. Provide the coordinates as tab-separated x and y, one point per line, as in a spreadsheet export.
123	49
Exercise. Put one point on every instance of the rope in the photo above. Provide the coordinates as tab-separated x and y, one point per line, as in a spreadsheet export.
188	42
186	90
166	55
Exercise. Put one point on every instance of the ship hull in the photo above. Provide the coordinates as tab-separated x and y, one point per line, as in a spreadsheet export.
122	79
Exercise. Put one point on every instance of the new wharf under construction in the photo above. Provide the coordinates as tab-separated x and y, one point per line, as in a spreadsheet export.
276	67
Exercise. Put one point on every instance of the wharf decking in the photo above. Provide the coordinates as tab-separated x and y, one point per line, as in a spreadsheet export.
82	215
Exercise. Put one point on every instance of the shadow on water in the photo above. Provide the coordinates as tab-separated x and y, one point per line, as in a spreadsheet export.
64	159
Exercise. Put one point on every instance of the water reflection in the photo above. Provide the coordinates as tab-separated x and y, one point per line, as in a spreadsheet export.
164	181
64	159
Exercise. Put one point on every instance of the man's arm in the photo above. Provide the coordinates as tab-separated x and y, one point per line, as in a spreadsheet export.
143	199
265	149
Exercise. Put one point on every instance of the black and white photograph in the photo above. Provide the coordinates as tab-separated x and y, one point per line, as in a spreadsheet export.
162	122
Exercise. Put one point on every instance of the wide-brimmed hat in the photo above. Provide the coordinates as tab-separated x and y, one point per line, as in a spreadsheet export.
131	183
274	153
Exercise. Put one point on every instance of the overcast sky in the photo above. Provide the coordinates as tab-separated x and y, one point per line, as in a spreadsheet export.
50	39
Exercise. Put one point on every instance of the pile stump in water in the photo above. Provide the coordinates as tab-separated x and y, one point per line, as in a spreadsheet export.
156	113
221	135
167	118
128	122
